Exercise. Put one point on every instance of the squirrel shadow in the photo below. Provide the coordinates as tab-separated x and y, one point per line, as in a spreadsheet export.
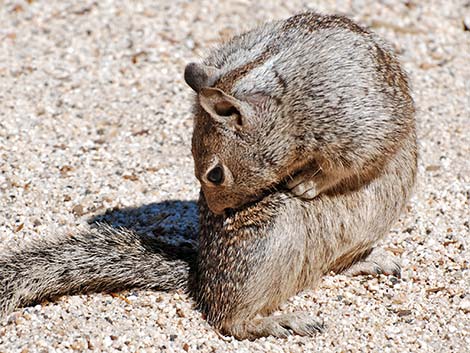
173	224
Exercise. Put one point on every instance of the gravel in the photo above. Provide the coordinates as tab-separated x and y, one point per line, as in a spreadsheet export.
95	124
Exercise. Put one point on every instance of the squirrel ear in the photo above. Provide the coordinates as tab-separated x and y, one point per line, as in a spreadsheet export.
198	76
224	108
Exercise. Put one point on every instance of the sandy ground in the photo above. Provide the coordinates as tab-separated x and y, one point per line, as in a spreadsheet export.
95	124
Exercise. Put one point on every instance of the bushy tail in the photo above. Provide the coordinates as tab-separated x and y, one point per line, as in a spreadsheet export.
103	259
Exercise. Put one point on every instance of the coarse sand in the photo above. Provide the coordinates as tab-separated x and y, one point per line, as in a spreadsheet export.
95	124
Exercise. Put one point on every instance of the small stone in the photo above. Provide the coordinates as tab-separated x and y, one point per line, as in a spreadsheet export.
78	210
132	297
161	322
433	168
180	312
466	24
14	318
465	305
78	346
403	312
107	342
399	299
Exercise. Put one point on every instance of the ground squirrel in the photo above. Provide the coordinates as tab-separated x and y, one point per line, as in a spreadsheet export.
304	145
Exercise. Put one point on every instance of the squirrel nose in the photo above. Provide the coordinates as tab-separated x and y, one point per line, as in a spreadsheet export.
216	175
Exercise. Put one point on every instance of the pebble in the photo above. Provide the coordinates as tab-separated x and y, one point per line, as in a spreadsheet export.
466	23
96	124
465	305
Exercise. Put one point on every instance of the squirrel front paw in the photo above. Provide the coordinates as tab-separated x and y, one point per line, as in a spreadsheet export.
306	184
306	189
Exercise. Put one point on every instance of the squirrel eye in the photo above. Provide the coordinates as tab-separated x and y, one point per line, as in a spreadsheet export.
216	175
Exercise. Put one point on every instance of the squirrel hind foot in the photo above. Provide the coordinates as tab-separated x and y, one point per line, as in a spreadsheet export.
279	326
378	262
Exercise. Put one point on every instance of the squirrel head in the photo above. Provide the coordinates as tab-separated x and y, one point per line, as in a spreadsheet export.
228	145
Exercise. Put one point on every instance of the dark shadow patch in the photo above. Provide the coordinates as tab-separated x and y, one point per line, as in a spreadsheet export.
172	221
169	227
